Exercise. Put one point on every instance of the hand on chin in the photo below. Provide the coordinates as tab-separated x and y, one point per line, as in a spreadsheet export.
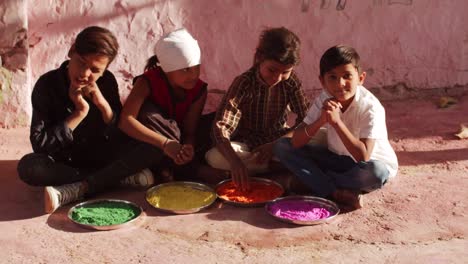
79	85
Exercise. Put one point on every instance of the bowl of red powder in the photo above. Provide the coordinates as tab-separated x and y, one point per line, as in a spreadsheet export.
261	191
106	214
302	210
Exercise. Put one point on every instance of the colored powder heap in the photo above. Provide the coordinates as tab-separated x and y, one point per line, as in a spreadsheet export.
299	210
259	192
180	197
105	213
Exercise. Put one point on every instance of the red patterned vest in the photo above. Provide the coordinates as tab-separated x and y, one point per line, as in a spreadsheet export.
161	95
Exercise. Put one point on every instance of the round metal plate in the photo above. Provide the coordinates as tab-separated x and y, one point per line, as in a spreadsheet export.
321	202
194	185
257	204
129	223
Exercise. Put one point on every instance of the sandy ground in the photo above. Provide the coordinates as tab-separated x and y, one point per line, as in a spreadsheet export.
419	217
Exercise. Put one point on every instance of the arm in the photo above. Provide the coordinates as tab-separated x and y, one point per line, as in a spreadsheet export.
298	102
227	119
131	126
313	121
304	132
299	105
190	127
193	116
105	95
93	92
81	108
360	149
226	122
51	128
238	170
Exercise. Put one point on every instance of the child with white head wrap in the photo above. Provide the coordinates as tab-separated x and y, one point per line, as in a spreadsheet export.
165	106
177	50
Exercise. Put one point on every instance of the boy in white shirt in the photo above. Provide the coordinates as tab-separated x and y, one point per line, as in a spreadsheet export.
359	157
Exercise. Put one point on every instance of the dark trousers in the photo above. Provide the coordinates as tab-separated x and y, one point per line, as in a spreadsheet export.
42	170
133	156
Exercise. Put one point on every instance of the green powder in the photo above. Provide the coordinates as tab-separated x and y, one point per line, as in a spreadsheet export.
105	213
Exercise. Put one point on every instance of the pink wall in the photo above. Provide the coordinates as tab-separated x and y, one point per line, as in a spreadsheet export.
14	77
408	47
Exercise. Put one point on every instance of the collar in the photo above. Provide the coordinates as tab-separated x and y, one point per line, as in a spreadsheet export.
357	96
64	72
258	77
64	83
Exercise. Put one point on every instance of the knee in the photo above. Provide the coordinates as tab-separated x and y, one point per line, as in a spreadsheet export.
32	167
377	175
380	171
282	147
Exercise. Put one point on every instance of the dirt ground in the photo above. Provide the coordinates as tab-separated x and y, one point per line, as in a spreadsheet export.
419	217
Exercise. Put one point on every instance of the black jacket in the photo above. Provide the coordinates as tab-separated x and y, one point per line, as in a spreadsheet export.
93	142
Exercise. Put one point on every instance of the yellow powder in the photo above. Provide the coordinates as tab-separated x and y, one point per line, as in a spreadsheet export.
179	197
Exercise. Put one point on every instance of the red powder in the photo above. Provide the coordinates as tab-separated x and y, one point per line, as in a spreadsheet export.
259	192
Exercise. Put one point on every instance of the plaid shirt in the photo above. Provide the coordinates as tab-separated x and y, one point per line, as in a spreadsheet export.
254	113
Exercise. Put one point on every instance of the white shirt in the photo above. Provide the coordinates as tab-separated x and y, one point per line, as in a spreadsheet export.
365	118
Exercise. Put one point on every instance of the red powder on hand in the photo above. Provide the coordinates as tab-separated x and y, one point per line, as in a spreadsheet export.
259	192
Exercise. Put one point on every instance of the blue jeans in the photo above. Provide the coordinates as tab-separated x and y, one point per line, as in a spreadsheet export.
324	171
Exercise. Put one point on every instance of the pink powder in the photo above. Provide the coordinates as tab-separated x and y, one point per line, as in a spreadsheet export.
299	210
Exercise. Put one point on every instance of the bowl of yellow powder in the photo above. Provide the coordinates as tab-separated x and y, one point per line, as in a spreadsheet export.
105	214
181	197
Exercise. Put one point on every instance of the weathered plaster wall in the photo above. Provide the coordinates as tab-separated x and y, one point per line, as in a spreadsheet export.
408	47
14	77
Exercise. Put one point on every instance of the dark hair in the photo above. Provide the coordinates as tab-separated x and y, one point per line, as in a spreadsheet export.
97	40
279	44
152	63
339	55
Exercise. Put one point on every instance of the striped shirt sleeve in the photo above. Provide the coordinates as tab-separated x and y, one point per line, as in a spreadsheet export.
228	115
298	101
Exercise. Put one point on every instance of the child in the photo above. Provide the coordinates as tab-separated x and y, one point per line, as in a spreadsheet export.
165	105
254	111
78	149
359	157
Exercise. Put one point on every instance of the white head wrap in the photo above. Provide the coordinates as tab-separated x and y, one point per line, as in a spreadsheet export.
177	50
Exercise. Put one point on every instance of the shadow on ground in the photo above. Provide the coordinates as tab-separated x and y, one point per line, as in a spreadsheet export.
17	200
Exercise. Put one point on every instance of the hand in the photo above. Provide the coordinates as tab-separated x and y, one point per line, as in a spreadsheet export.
332	110
185	154
76	96
93	92
240	176
171	148
263	153
180	154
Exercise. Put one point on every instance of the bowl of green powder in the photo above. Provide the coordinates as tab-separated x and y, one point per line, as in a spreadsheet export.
105	214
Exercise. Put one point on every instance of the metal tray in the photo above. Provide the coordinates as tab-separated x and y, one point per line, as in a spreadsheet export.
194	185
127	224
258	204
329	205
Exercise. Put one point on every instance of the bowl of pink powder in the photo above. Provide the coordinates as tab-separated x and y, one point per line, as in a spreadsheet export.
302	210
